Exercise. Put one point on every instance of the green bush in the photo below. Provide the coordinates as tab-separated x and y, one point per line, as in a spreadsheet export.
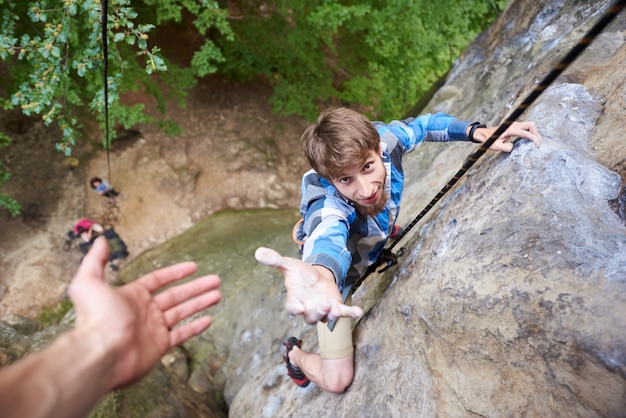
381	55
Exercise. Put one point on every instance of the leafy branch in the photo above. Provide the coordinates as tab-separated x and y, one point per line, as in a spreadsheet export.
53	51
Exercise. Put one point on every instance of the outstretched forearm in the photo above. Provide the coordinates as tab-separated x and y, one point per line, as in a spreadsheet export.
120	335
65	379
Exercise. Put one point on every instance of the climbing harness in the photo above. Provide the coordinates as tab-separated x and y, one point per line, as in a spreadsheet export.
387	257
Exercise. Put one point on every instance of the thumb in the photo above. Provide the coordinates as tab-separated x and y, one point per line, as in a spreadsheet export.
269	257
93	263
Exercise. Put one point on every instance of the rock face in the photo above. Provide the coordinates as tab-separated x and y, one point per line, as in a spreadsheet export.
511	299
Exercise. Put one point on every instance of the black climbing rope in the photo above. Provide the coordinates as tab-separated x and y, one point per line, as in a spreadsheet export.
111	212
105	55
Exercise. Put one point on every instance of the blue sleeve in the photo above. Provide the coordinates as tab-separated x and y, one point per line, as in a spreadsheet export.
437	128
327	224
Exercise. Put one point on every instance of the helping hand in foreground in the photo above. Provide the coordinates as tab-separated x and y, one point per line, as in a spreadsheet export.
120	335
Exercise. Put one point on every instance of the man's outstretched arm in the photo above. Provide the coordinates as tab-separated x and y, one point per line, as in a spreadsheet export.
120	334
311	290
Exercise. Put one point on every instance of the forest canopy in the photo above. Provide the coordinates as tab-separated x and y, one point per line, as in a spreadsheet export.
380	55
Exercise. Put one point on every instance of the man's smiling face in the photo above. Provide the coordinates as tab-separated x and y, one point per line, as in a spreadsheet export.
364	184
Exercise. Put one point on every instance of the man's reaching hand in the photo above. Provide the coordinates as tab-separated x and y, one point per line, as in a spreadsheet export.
311	290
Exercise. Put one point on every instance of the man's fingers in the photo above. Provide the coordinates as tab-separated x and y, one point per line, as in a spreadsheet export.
312	316
185	332
327	313
182	293
501	146
308	293
294	307
269	257
535	138
530	127
191	307
530	134
159	278
340	311
526	130
97	256
93	264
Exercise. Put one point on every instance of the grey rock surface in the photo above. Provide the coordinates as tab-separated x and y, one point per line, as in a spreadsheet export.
512	299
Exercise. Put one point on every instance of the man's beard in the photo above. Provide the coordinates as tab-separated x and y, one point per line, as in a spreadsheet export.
374	209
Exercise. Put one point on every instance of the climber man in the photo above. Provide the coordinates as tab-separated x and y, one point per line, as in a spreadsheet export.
103	188
350	203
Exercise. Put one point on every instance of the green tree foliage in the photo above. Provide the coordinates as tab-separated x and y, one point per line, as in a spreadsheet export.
55	58
53	51
381	54
5	201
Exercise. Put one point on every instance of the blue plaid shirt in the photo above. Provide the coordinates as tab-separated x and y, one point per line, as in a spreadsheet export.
345	241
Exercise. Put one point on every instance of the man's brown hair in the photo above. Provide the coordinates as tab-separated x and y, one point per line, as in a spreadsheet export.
340	137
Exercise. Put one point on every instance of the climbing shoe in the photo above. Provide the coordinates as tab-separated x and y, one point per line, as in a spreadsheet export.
294	372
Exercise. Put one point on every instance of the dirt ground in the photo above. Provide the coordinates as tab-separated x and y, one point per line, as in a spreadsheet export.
233	153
